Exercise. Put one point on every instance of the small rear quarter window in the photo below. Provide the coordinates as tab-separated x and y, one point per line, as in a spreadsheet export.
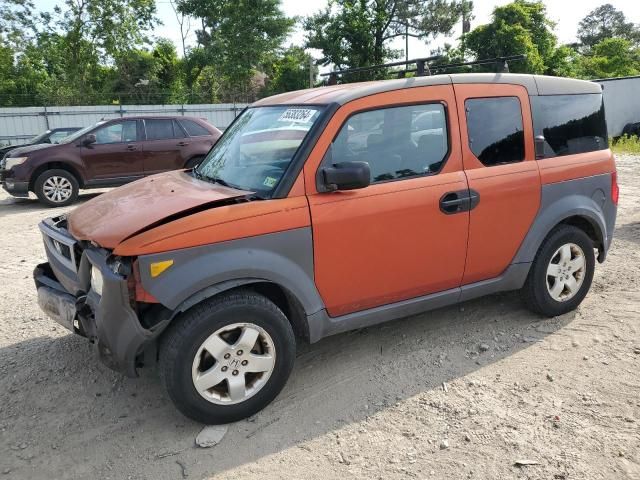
194	129
570	124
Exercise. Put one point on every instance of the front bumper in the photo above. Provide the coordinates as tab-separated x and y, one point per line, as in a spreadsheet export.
109	320
12	186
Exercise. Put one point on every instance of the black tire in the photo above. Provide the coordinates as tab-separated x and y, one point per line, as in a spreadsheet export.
194	162
535	291
39	187
180	343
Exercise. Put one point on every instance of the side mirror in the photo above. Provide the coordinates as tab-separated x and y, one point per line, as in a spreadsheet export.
539	143
89	139
346	176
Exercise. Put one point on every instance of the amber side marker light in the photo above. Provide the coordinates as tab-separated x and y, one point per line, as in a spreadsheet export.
157	268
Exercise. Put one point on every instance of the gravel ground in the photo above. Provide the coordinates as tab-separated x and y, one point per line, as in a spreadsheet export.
463	392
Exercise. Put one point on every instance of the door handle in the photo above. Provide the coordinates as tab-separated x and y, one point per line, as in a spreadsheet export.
459	201
131	148
182	144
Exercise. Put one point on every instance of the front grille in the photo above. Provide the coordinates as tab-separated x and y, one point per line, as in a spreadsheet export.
59	242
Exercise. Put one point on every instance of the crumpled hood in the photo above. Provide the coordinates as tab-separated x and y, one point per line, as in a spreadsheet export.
114	216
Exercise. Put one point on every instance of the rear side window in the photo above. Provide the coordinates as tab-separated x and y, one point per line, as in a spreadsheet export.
397	142
494	125
570	124
194	129
159	129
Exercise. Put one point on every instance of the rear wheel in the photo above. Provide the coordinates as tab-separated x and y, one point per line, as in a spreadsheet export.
56	188
227	358
562	272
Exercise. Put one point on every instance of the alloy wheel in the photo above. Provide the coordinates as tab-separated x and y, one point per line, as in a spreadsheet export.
233	363
566	272
57	189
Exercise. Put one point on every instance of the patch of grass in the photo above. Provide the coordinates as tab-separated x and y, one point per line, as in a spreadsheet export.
626	144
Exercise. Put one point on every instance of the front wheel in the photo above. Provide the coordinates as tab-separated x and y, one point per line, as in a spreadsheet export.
562	271
227	358
56	188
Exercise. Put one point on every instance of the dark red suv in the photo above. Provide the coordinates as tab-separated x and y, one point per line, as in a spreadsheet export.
107	154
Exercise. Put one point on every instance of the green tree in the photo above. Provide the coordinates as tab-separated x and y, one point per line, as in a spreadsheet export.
17	22
612	57
357	33
289	70
237	36
606	22
521	27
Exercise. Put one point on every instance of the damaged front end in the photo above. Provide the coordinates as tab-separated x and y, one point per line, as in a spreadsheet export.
91	293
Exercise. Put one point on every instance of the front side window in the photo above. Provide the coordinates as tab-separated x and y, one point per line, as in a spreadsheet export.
117	133
397	142
494	126
570	124
255	151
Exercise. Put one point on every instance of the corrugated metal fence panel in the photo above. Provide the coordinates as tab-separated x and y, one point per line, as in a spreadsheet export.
20	124
621	102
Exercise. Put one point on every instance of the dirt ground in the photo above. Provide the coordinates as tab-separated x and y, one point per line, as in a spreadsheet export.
463	392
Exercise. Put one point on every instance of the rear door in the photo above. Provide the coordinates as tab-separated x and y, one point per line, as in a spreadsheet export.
499	161
164	146
390	241
116	156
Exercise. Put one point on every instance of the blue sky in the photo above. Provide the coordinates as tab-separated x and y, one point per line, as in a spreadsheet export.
566	13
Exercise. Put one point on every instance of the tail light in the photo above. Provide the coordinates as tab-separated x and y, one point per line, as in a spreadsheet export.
615	189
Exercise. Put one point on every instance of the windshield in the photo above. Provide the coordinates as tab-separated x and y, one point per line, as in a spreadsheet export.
255	151
76	135
38	138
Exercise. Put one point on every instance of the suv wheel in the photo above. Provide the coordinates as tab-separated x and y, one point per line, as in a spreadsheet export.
562	271
227	358
56	188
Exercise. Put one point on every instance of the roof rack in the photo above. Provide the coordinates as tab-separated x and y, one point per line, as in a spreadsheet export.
424	68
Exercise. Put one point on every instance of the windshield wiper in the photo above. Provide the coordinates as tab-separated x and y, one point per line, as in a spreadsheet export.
217	180
222	182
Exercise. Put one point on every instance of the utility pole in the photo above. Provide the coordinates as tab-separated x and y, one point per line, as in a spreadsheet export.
406	43
311	79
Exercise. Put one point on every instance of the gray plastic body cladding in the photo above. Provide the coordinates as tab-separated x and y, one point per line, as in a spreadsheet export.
588	197
284	258
322	325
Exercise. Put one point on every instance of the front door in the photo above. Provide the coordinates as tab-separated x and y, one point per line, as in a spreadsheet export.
116	156
392	240
499	161
164	146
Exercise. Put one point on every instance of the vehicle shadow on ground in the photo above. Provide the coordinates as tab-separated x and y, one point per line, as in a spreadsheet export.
629	232
87	411
12	205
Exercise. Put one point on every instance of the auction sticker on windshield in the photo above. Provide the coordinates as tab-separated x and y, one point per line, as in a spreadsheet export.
302	115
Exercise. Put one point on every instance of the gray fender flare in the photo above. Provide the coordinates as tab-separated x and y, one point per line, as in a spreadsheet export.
556	211
284	258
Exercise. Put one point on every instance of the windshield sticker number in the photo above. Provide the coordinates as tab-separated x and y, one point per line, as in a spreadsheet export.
269	182
300	115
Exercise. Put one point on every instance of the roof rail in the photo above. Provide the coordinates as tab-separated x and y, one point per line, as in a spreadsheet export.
424	68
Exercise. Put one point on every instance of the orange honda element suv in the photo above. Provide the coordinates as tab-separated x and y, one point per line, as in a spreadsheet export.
331	209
